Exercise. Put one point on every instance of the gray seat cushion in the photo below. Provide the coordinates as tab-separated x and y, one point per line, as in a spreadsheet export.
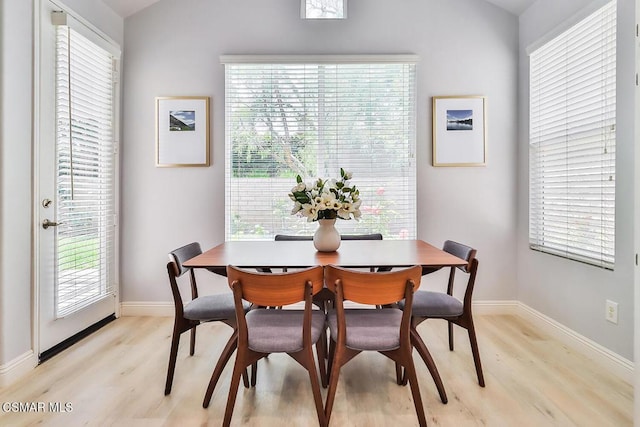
436	304
369	329
212	307
280	331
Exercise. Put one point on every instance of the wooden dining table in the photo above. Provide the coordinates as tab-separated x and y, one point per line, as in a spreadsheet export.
300	254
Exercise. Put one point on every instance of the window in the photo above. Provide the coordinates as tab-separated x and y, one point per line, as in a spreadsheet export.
312	116
85	170
323	9
572	141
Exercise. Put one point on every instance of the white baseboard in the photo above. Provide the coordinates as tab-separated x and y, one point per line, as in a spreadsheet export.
147	308
17	368
613	362
496	307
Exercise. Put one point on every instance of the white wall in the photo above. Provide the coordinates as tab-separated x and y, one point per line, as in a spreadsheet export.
15	179
16	148
572	293
467	47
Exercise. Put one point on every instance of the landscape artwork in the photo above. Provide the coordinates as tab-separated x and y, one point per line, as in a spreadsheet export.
180	121
459	120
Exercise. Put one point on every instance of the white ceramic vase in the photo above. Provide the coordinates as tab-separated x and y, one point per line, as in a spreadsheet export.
326	237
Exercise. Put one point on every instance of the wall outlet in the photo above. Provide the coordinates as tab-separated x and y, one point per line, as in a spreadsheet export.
612	312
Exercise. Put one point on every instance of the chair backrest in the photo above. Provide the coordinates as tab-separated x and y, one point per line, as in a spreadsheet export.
372	288
464	252
181	255
288	237
468	254
275	289
175	269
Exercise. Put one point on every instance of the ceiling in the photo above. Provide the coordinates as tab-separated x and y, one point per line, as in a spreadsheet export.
125	8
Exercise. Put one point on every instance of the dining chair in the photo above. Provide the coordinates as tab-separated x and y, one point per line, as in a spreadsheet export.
263	331
387	330
199	309
440	305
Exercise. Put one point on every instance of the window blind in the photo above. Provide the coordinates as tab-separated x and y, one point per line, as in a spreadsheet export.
312	116
572	141
85	155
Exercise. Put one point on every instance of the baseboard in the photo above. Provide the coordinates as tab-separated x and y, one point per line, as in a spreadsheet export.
495	307
17	368
147	308
619	366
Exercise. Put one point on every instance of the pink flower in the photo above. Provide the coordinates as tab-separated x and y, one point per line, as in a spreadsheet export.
380	191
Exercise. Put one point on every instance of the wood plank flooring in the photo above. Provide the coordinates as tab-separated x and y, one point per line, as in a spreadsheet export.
116	378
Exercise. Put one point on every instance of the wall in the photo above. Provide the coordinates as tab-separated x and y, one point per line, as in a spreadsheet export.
569	292
16	174
15	179
466	47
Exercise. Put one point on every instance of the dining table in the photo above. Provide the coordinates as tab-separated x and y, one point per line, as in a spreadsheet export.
300	254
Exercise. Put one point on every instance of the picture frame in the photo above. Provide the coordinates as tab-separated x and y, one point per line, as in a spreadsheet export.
459	131
323	9
182	131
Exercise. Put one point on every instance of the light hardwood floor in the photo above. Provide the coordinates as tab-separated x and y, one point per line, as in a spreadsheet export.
116	377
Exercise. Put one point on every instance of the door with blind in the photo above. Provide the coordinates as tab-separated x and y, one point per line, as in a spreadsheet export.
77	182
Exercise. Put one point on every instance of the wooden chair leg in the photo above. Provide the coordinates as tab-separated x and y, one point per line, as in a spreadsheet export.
421	347
254	373
306	359
476	353
173	355
330	357
410	369
321	352
192	344
450	327
333	385
400	377
228	350
233	390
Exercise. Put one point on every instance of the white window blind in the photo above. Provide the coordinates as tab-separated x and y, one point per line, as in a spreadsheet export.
572	141
85	153
312	116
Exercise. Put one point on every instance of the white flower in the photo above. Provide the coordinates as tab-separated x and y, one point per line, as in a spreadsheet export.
310	211
348	175
349	209
336	205
299	187
331	183
297	207
326	200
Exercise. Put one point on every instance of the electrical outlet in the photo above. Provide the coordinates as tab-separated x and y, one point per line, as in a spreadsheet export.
612	312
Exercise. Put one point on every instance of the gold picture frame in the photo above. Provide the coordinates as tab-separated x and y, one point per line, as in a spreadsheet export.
459	131
182	131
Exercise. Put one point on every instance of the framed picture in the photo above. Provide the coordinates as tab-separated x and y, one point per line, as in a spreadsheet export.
459	131
182	131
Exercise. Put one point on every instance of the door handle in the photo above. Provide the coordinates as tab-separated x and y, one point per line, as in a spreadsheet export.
46	224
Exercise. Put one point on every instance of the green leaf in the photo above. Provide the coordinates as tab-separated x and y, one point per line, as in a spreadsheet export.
298	179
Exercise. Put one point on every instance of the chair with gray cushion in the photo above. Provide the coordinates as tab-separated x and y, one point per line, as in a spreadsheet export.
384	330
262	331
440	305
199	309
